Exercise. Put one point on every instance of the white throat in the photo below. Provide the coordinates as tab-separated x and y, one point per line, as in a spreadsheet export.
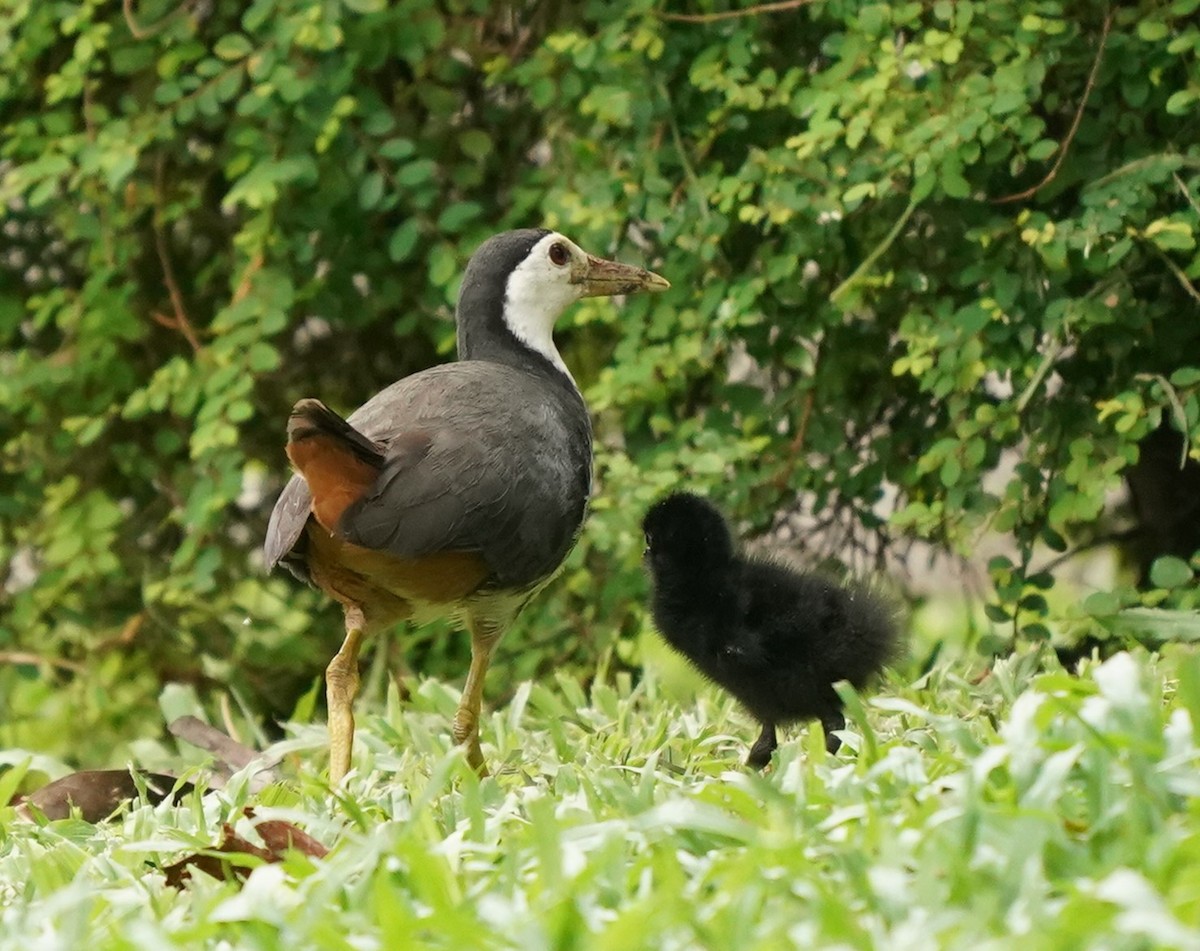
535	297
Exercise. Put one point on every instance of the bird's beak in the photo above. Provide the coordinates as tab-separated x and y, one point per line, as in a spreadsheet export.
601	278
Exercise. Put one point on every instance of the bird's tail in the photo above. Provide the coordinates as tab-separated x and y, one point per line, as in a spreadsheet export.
877	628
337	461
312	418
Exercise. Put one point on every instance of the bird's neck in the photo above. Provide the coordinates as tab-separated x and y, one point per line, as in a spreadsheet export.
693	589
512	332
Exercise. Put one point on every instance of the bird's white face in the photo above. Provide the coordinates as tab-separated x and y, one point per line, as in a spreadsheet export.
555	274
540	289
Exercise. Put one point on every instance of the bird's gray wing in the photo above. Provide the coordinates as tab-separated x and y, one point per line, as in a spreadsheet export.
287	522
478	457
487	460
381	419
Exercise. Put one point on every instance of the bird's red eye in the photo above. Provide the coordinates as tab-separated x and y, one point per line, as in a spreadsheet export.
559	254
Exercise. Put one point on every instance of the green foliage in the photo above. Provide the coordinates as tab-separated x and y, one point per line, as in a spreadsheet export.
212	210
1044	810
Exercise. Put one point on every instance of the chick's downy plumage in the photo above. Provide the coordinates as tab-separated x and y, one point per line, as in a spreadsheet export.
774	637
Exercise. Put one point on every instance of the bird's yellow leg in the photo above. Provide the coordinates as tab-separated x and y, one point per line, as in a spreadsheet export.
341	685
484	637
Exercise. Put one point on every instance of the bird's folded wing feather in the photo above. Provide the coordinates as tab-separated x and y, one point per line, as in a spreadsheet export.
287	521
455	466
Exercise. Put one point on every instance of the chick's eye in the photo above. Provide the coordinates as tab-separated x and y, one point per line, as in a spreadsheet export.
559	254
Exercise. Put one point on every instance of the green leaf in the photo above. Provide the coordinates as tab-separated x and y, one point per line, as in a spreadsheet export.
475	144
398	148
415	173
1159	624
873	18
443	265
1181	101
1170	572
1152	31
370	191
404	240
1102	604
263	357
951	471
1042	150
1188	690
993	645
1171	235
856	193
997	613
458	215
10	778
953	183
608	103
233	46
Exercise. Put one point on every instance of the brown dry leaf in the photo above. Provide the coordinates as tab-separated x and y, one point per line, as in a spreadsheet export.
278	836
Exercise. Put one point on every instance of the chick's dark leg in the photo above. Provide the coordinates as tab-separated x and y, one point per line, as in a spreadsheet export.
341	685
764	746
833	719
485	634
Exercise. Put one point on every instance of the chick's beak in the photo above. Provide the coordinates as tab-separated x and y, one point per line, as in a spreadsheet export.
601	278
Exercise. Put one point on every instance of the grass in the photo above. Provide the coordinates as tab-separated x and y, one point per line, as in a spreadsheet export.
1031	810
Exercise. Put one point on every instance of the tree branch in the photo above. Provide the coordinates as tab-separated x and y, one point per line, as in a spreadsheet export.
145	32
796	446
30	659
1183	161
1186	194
875	254
777	7
688	171
1070	137
180	321
252	267
1175	269
1111	538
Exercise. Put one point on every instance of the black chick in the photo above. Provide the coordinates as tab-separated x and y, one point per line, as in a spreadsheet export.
774	637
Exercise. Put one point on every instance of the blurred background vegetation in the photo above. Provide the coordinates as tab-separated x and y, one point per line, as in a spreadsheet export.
934	308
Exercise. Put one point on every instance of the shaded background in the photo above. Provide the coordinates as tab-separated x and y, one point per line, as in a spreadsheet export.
934	282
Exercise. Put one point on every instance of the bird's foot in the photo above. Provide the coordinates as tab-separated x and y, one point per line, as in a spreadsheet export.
764	746
760	757
475	758
831	722
466	733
